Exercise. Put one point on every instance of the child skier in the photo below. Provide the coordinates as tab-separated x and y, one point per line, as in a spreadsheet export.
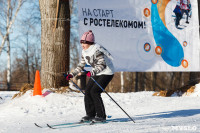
102	71
178	13
184	7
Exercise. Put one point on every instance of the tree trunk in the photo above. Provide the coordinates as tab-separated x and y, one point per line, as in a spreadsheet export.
154	80
136	81
199	14
27	58
54	43
194	78
8	46
8	64
180	79
122	82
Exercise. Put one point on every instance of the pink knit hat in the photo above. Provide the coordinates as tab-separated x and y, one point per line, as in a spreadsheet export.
87	37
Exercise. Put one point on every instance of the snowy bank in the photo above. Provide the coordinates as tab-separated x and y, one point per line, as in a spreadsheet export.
152	114
195	92
185	91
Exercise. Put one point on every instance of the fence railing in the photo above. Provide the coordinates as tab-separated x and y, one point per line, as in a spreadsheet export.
3	85
13	86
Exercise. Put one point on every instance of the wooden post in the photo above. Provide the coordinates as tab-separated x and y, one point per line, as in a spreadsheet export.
122	82
57	15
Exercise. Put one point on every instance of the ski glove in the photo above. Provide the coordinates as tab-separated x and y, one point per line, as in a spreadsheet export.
89	74
68	77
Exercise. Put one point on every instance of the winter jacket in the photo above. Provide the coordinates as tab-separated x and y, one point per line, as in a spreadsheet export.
98	58
185	4
177	9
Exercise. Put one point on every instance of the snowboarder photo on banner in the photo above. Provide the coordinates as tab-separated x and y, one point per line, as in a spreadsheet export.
102	71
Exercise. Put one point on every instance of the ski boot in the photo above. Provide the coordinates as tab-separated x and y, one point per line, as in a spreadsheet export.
98	120
86	118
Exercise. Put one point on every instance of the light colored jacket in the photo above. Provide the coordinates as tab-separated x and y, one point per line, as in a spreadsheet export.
98	58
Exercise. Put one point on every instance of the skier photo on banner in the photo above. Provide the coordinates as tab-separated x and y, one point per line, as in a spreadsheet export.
178	13
102	71
185	7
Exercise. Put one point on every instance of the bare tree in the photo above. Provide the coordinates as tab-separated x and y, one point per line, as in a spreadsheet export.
31	62
30	50
74	36
30	37
199	14
9	18
74	52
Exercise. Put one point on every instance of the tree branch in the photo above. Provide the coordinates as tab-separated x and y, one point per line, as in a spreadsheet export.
9	25
1	34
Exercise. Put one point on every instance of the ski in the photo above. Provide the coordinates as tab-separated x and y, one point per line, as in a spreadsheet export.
50	126
38	125
69	125
57	125
88	123
74	124
64	124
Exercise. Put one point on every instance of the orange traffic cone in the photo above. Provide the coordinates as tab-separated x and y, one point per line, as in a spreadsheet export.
37	86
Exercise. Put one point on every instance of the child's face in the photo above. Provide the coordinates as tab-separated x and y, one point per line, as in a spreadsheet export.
85	46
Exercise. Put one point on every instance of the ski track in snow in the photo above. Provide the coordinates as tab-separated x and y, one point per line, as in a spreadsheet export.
151	114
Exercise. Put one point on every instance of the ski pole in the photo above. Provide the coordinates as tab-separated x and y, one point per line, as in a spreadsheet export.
77	87
111	97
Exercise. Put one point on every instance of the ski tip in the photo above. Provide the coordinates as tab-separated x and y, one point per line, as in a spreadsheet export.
50	126
37	125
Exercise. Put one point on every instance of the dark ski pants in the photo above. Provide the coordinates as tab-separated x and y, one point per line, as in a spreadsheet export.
178	18
93	102
186	12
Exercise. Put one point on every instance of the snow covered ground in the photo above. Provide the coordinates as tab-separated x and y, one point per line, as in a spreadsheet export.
151	113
